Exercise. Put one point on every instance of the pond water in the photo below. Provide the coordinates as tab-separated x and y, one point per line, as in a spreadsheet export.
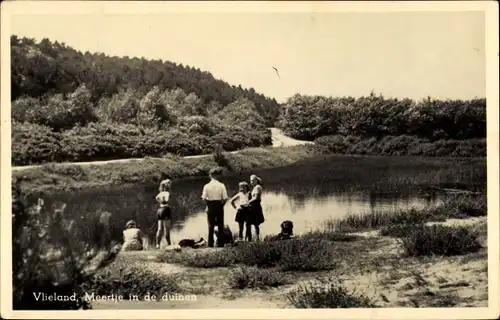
289	194
307	214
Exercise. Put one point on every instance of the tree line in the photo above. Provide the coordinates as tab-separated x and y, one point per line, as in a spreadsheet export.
130	124
69	106
47	68
375	125
311	117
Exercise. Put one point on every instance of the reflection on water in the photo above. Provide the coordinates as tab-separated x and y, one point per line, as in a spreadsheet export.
307	214
307	202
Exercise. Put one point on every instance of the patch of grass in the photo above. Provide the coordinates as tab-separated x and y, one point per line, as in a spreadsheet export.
131	280
253	277
445	301
260	254
330	236
430	299
464	206
440	240
208	259
455	207
327	295
375	220
397	230
61	177
301	253
307	255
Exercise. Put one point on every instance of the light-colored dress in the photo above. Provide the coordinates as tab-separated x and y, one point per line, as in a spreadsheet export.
132	239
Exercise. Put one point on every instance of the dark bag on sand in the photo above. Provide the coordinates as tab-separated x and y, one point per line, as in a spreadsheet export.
190	243
227	236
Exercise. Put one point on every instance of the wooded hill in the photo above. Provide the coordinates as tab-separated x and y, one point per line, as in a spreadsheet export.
46	67
73	106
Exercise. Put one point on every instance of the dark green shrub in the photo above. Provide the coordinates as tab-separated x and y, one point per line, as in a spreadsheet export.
253	277
220	158
260	254
461	206
440	240
212	259
48	257
104	141
296	254
331	294
400	146
129	281
122	107
22	108
62	113
33	143
307	255
331	144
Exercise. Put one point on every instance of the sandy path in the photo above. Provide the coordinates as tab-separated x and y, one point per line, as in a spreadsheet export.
279	140
217	297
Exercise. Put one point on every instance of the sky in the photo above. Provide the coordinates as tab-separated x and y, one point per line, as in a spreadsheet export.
398	54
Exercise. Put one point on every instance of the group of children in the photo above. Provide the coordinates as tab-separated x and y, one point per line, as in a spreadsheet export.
248	213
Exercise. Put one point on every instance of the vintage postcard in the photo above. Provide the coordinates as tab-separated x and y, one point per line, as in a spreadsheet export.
249	160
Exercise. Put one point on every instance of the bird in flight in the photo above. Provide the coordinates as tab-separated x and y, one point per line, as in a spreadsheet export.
277	72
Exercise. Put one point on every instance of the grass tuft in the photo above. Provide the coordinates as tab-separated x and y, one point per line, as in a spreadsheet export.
128	281
458	207
253	277
208	259
440	240
327	295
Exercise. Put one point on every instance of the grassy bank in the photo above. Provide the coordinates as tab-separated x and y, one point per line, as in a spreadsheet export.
458	207
53	177
281	166
443	265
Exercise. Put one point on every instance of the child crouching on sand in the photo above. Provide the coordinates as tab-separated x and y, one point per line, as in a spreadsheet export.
132	237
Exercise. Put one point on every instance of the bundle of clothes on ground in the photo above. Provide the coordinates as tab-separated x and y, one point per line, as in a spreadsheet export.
286	233
133	241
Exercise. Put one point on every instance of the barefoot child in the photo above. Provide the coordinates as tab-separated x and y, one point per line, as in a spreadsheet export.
242	197
164	213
